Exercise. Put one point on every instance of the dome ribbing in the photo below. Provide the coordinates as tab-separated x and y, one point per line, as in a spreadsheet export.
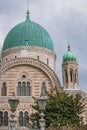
28	33
69	56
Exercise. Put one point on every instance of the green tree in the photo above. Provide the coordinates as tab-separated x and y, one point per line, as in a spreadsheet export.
62	109
34	117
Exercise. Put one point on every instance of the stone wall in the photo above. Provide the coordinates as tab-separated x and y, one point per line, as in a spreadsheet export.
44	55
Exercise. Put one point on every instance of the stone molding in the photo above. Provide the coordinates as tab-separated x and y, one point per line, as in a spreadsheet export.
28	48
36	63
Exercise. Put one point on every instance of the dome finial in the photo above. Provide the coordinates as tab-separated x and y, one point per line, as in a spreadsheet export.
28	17
68	46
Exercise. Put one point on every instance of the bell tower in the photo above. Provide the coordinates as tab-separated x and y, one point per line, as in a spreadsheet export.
70	71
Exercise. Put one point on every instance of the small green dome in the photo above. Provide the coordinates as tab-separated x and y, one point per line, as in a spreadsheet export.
69	56
28	33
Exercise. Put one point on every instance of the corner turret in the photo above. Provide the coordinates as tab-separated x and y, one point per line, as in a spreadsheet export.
70	71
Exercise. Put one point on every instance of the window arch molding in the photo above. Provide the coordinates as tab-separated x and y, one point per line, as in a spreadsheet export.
23	77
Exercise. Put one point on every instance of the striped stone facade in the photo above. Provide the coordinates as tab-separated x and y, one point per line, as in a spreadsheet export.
26	64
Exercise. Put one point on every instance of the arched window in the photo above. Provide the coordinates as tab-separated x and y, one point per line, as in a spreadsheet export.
71	75
43	89
23	89
21	118
5	118
28	89
1	118
26	118
19	89
66	75
75	76
4	90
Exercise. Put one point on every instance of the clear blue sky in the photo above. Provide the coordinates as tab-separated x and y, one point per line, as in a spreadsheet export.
65	20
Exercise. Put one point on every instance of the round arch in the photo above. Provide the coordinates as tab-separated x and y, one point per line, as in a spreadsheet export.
36	63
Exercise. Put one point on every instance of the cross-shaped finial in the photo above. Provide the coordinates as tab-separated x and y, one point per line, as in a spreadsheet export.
68	47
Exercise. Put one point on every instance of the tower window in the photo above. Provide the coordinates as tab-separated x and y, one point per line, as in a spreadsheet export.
66	75
71	75
75	76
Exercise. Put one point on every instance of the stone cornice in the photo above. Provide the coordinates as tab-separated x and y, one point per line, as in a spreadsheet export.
28	48
70	62
36	63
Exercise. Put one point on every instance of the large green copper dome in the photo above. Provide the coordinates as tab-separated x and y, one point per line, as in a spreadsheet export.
28	33
69	56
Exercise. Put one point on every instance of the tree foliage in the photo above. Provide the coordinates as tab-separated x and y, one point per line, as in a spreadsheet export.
62	109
